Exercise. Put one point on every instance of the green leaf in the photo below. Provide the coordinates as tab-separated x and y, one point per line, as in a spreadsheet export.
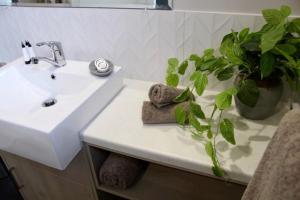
209	149
182	67
271	37
232	91
180	115
196	110
226	41
213	64
197	60
265	28
235	36
208	64
202	129
200	82
273	16
252	42
173	63
208	54
172	80
294	40
227	131
224	99
195	75
285	10
225	74
290	59
287	48
248	93
205	128
194	122
209	134
217	171
243	34
183	96
267	62
294	26
231	50
195	57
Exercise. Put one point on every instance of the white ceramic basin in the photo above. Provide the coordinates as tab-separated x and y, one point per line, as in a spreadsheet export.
50	135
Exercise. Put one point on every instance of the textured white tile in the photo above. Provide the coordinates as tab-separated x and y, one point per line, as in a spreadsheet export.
222	25
170	39
241	22
198	32
258	23
141	41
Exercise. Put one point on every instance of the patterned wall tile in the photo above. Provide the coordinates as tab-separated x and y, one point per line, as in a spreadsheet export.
139	40
241	22
170	42
202	31
198	32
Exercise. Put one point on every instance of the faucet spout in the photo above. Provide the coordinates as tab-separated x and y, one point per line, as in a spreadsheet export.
58	57
52	62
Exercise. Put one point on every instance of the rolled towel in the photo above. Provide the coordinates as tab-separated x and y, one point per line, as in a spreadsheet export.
121	172
153	115
161	95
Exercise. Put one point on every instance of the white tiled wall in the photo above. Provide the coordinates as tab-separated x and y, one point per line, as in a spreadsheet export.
240	6
139	40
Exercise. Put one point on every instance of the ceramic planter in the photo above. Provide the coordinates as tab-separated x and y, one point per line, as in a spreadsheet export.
269	96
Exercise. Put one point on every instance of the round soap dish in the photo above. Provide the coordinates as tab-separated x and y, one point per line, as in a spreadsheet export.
97	69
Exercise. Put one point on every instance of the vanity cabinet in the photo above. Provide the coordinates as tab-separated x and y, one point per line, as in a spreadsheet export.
79	181
160	182
39	182
8	188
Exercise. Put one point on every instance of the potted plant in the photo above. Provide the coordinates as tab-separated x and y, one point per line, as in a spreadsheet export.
258	62
262	60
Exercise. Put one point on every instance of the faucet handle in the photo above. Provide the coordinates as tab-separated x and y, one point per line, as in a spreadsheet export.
54	46
39	44
57	51
50	44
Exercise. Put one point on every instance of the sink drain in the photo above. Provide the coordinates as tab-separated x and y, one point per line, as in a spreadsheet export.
49	102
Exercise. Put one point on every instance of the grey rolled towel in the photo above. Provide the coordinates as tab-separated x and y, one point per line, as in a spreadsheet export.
161	95
121	172
153	115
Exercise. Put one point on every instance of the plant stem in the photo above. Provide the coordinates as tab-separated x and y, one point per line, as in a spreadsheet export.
213	112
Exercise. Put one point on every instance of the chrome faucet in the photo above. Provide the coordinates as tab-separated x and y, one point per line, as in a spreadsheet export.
58	57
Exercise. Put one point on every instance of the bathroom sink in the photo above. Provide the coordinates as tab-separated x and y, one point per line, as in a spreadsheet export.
44	108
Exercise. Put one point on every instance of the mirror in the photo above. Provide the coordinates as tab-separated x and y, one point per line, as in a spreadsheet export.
136	4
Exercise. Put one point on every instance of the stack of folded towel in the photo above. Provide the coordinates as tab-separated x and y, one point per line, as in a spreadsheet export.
161	107
121	172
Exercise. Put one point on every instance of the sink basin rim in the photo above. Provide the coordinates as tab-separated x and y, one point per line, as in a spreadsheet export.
81	97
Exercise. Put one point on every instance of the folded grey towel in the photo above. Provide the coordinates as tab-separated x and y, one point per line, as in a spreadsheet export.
121	172
278	173
161	95
153	115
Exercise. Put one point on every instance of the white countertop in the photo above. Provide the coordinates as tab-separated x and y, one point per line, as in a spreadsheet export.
119	128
